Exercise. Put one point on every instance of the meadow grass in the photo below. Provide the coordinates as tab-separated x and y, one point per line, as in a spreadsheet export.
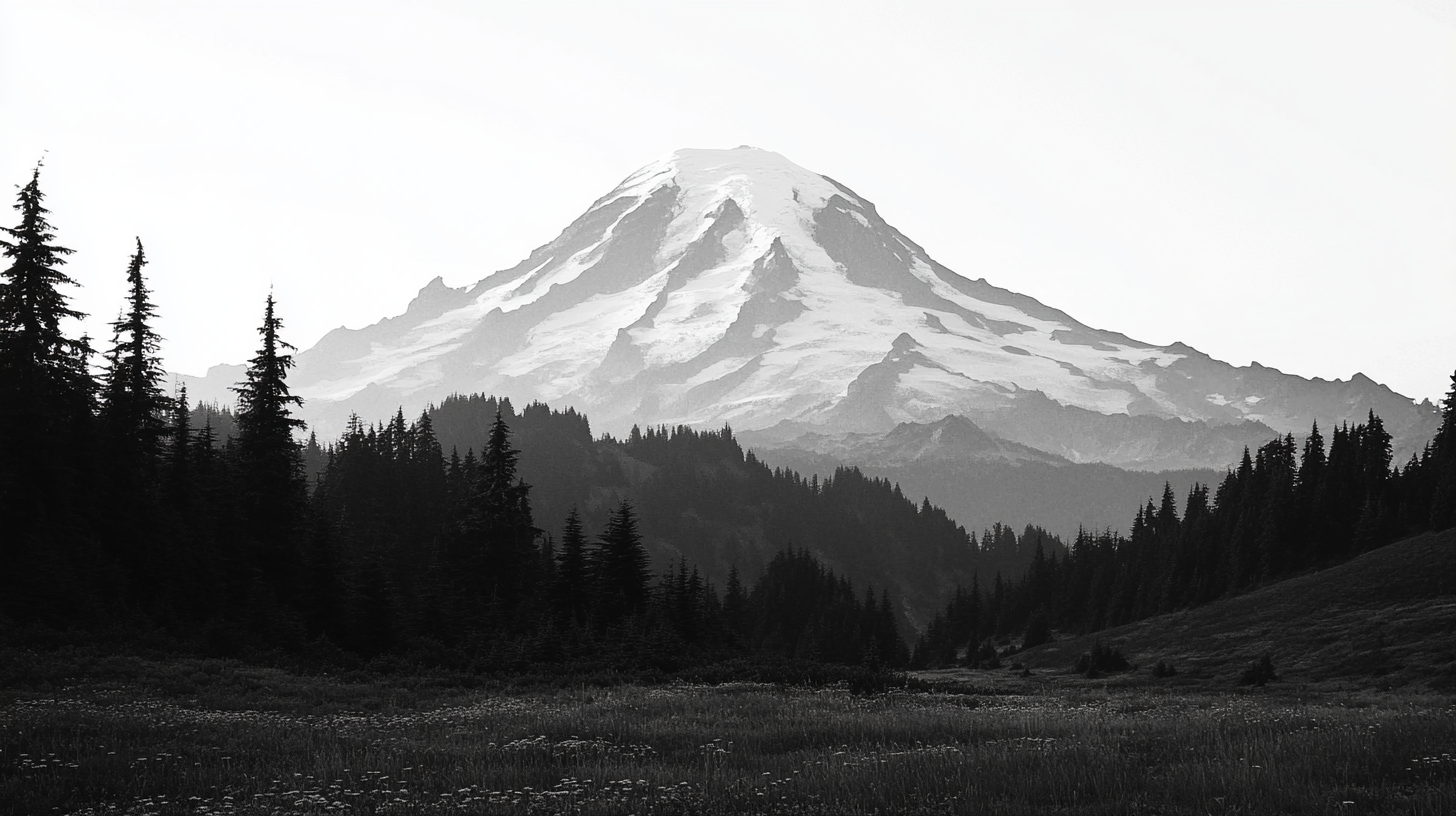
224	738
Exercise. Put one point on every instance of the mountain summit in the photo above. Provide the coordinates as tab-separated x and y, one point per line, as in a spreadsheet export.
736	286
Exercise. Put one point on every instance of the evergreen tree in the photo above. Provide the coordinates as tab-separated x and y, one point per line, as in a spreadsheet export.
1443	463
134	415
133	404
620	567
46	451
735	606
35	354
498	533
178	457
572	590
889	648
271	488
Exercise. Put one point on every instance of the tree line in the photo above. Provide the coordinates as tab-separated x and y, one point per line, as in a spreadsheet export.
1283	510
122	513
701	497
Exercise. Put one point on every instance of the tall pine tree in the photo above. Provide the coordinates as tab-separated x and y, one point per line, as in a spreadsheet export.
35	354
45	420
572	591
1443	463
271	488
133	403
496	553
620	565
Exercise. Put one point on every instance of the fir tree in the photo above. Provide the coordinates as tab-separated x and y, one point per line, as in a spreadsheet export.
133	404
499	534
889	648
178	456
46	452
735	606
264	415
37	361
620	567
1443	462
270	468
35	355
572	588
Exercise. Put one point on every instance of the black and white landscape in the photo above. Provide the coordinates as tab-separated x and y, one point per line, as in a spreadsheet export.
734	287
733	497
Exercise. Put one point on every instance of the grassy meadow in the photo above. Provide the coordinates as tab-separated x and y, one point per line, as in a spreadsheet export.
203	736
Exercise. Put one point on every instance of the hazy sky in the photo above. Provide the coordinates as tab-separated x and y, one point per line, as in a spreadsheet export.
1264	181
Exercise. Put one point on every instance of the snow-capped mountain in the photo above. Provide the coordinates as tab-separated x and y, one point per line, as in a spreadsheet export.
734	286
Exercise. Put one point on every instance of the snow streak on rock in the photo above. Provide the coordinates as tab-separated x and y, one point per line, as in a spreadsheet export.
735	286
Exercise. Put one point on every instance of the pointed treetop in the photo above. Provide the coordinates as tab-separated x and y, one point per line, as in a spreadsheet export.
134	399
264	398
32	346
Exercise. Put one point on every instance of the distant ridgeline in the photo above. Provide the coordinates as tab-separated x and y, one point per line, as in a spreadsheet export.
531	546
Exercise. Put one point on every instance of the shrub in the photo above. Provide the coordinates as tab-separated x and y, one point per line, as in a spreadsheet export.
1038	631
1259	672
1101	659
1164	669
983	656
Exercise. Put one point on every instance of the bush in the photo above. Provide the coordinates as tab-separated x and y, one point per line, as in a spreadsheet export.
983	656
1164	669
1038	631
1259	672
1101	659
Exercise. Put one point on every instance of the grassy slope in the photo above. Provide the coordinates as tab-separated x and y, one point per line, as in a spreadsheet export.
1387	618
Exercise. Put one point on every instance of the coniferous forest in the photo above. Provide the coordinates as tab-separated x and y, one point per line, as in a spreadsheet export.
1286	509
130	513
480	539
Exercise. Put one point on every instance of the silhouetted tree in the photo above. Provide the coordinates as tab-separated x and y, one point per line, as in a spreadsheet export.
132	402
270	484
46	448
572	589
498	533
1442	458
35	354
619	567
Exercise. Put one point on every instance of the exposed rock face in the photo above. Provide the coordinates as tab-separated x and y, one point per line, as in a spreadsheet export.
734	286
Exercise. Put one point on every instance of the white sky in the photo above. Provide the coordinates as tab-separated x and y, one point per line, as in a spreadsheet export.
1264	181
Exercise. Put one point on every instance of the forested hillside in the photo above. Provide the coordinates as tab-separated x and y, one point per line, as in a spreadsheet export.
1057	497
1280	512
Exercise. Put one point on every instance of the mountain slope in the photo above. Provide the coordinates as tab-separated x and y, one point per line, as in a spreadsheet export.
698	497
953	438
735	286
980	479
1387	616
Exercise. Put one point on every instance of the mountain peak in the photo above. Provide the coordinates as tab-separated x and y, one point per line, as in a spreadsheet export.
771	190
736	286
